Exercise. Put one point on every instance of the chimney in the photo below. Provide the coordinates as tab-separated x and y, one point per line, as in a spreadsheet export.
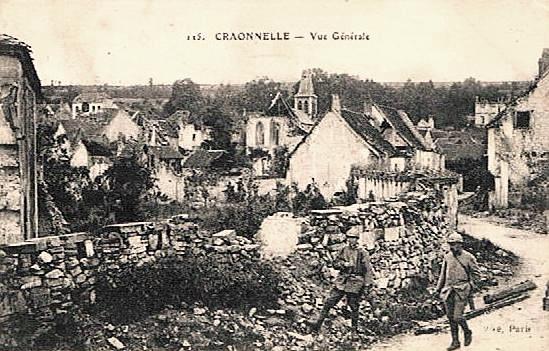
543	62
336	105
368	107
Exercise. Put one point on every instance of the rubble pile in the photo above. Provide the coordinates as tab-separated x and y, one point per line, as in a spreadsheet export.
403	238
186	237
46	278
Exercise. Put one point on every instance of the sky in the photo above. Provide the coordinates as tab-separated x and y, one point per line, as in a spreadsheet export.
127	42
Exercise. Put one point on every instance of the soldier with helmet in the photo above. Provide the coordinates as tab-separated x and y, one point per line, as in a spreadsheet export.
455	285
355	275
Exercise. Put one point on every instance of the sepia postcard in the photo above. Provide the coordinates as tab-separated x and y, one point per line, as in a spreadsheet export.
274	175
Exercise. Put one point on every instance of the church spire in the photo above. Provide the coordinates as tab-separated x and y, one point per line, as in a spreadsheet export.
305	100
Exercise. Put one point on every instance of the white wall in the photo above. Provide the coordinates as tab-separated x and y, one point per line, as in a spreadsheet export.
327	156
80	156
191	137
121	124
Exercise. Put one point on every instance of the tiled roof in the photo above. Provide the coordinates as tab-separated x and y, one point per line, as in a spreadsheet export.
92	97
10	46
361	125
299	119
165	152
455	152
97	149
403	126
202	158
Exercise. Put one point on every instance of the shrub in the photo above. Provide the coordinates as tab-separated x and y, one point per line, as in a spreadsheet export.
136	292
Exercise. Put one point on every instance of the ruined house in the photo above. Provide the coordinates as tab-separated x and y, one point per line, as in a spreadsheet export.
486	110
167	166
19	91
380	138
91	103
518	146
93	155
281	125
338	141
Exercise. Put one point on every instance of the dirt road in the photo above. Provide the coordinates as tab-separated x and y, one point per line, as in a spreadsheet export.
523	326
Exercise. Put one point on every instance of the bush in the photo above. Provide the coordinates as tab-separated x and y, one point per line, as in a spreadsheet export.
135	293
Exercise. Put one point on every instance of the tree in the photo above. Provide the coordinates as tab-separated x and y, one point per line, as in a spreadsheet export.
186	95
128	183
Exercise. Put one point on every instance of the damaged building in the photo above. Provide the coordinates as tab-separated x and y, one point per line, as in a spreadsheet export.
19	91
518	147
380	138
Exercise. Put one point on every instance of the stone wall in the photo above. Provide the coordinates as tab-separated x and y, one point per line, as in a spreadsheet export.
45	278
403	237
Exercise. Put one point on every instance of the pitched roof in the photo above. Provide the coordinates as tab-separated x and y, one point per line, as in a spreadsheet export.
495	121
97	149
10	46
299	119
202	158
91	97
361	125
165	152
306	87
455	152
403	126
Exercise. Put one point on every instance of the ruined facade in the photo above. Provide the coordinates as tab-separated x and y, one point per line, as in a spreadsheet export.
19	91
282	124
518	146
381	138
486	111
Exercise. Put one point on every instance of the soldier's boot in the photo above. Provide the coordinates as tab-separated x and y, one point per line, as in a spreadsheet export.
454	331
467	333
354	322
315	325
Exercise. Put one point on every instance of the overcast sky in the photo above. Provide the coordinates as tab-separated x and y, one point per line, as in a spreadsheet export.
128	42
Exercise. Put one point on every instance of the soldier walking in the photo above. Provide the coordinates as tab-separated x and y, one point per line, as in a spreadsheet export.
455	285
355	275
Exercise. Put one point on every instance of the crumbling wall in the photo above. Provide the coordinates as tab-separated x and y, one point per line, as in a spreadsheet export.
403	238
46	278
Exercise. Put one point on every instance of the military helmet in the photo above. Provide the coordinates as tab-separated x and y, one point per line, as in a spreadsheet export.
454	238
353	233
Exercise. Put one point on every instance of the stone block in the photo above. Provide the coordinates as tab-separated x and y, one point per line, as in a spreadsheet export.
30	282
45	257
228	233
55	274
88	248
40	297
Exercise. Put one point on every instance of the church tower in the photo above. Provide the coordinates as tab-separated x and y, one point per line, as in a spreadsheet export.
305	100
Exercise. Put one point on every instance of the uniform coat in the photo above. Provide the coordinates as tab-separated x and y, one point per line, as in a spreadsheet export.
353	279
457	277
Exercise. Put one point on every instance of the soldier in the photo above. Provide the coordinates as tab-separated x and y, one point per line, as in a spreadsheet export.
355	275
455	285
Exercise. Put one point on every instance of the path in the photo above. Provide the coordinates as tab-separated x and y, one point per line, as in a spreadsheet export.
501	329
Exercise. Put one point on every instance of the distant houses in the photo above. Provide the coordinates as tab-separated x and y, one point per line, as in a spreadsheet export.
486	110
91	103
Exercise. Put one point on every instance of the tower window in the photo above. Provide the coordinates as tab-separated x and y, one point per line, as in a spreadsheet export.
85	107
300	105
522	120
306	106
259	134
275	133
